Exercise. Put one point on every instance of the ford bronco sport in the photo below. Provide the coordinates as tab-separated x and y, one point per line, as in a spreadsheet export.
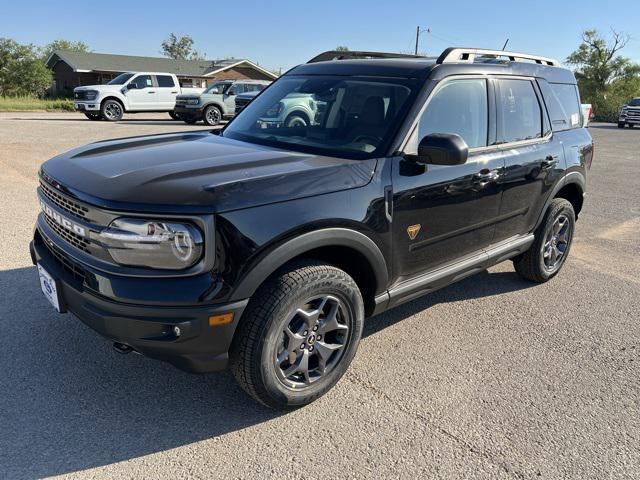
265	247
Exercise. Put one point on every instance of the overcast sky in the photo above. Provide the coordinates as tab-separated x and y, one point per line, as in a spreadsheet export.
281	34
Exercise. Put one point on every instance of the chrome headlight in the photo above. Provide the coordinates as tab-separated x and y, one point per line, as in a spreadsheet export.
153	243
91	94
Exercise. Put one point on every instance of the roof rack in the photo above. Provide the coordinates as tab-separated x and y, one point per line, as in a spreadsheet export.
354	55
468	55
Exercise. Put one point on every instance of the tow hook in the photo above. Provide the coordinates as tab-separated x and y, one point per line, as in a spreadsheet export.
122	348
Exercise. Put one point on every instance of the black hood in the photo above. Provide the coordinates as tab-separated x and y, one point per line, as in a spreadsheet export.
198	172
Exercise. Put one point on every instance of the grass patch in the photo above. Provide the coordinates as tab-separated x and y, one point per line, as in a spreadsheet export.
26	104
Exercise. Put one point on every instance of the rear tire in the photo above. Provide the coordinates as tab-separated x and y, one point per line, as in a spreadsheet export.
620	125
111	110
298	335
551	246
93	116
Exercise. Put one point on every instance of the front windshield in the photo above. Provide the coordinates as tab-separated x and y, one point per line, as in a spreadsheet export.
121	79
635	102
218	87
336	116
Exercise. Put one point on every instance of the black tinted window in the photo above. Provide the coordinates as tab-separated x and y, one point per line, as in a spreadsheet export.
520	116
458	106
165	81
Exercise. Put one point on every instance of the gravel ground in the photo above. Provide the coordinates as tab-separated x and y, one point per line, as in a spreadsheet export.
490	378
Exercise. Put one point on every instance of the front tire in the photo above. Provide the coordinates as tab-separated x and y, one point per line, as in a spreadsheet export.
174	115
296	119
298	335
620	124
551	246
212	115
111	110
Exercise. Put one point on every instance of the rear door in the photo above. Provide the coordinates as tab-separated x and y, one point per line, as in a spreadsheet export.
533	156
442	213
167	91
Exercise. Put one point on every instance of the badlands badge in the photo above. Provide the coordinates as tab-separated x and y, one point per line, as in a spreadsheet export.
413	230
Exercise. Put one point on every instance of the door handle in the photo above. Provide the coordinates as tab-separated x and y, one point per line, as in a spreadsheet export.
486	175
152	91
174	92
549	161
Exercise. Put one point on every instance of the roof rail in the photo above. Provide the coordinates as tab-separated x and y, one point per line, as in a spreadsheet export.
468	55
354	55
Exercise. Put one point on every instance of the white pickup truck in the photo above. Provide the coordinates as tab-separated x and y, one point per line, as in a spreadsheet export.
130	92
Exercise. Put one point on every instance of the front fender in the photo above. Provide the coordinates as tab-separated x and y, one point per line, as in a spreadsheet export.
283	253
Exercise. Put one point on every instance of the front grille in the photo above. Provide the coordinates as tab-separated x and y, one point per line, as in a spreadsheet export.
69	265
70	237
62	202
635	114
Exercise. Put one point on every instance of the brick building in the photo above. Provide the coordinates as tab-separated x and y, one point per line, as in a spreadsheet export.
74	69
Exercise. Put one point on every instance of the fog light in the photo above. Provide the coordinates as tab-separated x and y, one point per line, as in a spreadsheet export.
176	331
222	319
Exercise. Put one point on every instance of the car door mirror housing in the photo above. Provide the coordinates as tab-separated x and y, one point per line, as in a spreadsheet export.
132	86
231	92
442	149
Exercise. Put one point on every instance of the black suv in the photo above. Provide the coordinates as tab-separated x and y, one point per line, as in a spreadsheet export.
264	247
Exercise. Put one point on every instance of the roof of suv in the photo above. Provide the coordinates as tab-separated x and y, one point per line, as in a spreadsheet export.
386	65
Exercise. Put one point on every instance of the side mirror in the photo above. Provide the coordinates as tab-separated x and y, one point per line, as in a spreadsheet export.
231	92
442	149
132	86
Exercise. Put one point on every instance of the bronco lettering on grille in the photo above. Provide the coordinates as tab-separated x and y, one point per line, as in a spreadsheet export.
62	221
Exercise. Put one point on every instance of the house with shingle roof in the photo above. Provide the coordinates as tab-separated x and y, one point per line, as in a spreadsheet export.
74	69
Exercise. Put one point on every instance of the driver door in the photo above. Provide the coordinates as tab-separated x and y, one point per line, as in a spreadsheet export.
442	213
145	95
230	98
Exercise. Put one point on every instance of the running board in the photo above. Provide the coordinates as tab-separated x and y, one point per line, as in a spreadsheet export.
443	276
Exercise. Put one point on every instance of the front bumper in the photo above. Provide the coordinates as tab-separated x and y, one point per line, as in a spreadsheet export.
188	111
87	106
148	329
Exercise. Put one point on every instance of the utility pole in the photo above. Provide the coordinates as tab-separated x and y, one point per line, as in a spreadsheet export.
418	32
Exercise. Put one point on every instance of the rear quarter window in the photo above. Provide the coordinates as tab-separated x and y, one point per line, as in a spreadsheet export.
563	105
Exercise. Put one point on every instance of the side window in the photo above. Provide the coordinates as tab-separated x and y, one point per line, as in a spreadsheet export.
165	81
461	107
519	112
237	88
567	97
143	81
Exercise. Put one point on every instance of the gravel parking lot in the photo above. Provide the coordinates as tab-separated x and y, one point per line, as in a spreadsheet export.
492	377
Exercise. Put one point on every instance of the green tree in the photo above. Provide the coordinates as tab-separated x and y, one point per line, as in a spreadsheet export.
22	72
603	75
62	44
180	48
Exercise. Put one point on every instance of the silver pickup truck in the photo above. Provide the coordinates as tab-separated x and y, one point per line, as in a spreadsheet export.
217	102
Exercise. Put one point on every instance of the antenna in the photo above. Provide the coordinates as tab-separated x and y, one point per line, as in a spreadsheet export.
505	44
